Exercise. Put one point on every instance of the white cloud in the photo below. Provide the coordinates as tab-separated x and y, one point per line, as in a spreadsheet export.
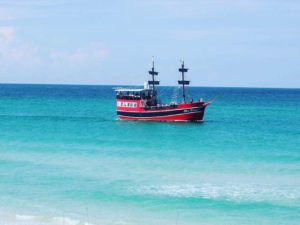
23	61
15	52
6	34
5	14
91	53
19	52
26	54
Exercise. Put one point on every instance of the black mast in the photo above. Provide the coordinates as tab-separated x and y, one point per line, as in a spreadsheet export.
183	82
153	73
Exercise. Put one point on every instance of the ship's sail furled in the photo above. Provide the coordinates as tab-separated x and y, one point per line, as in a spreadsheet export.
183	82
153	73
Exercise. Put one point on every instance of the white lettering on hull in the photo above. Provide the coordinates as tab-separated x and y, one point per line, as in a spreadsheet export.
127	104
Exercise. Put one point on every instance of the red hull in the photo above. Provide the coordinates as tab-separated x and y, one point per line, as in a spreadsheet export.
181	112
185	117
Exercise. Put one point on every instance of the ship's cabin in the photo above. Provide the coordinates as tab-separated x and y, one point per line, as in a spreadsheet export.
135	94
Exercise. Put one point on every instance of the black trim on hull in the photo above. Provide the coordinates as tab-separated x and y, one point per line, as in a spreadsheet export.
161	113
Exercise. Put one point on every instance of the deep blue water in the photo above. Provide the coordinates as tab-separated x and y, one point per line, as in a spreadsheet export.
66	159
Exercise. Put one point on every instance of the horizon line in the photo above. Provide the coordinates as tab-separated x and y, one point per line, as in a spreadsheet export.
134	85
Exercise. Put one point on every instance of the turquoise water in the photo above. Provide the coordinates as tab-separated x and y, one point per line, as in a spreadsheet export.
66	159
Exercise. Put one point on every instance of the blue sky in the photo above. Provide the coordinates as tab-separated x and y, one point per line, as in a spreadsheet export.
224	42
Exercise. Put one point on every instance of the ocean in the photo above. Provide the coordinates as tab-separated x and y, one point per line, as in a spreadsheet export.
66	159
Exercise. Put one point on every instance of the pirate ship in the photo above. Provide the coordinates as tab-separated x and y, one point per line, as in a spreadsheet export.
143	104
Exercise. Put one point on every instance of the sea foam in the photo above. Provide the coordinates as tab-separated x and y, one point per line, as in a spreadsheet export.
231	192
22	219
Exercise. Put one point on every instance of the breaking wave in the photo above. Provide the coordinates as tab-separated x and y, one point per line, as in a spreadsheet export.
240	193
20	219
